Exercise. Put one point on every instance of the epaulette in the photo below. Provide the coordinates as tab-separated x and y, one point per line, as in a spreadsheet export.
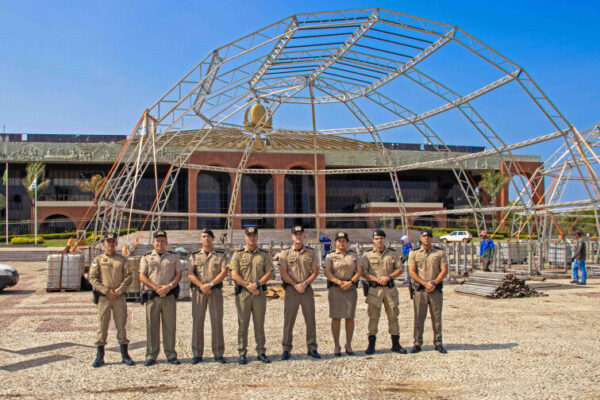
171	252
148	253
350	251
308	247
195	252
239	249
264	251
219	250
286	247
390	249
437	247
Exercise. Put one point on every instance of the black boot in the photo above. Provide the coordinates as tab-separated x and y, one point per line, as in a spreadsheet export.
371	348
396	348
99	361
125	356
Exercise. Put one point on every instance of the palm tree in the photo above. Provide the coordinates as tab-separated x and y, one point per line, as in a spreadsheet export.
93	185
492	183
35	169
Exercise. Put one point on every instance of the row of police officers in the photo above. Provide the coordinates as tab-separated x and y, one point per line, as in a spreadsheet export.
251	269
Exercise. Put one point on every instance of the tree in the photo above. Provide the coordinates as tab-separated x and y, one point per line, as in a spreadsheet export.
492	183
35	169
93	185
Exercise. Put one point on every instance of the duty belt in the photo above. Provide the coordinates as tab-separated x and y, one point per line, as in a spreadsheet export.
217	286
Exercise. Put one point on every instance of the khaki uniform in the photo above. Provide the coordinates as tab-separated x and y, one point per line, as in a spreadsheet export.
111	272
300	264
342	303
160	269
252	266
206	267
382	264
429	265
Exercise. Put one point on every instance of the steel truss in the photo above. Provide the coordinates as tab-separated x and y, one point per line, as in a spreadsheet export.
348	57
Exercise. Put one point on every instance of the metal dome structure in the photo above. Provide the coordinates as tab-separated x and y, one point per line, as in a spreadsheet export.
351	80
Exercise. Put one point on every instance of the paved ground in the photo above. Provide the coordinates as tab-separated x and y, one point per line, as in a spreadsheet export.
534	348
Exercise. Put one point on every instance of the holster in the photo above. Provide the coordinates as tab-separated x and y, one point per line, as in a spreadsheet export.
148	295
330	284
418	287
96	296
411	291
365	286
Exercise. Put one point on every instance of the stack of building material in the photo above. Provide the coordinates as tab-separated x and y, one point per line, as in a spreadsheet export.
593	270
496	285
64	271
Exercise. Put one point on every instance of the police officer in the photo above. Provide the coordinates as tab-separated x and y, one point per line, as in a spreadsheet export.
381	266
299	267
251	269
160	272
110	275
428	266
343	270
208	268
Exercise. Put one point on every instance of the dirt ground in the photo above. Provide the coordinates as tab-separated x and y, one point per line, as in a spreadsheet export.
545	347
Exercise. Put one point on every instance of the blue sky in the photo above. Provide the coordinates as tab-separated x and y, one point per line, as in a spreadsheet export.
94	66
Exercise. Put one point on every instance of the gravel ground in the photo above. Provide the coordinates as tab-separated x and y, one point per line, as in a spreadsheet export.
545	347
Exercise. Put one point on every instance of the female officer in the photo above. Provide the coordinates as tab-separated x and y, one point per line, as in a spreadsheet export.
342	269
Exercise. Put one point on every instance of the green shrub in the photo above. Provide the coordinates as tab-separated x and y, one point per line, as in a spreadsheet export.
26	240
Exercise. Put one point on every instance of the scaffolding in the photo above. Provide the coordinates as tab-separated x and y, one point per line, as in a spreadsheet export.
362	62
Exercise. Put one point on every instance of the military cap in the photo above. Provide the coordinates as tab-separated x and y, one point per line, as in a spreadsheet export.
427	232
578	232
251	230
341	235
109	235
378	232
297	228
208	232
158	234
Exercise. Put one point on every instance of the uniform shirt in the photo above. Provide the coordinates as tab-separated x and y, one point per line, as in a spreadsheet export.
381	264
343	265
428	263
206	266
110	272
299	263
160	268
251	265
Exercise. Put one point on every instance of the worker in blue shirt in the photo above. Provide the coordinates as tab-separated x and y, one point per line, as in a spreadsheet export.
406	248
486	250
326	245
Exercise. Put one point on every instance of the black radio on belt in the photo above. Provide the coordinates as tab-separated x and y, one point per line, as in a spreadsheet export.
418	287
96	296
150	294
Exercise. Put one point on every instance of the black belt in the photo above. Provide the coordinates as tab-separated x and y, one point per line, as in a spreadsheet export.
331	284
238	288
390	284
217	286
418	287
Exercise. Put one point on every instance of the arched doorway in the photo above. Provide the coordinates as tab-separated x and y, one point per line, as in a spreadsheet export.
299	198
212	196
257	198
57	223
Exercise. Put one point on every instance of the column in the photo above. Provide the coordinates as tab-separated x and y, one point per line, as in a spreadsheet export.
192	197
279	199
